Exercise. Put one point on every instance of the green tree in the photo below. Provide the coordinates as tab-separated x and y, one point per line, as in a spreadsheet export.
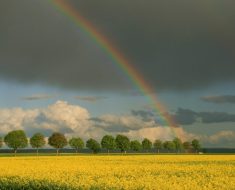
178	144
122	143
108	143
169	145
157	145
58	141
93	145
196	145
187	146
146	144
76	143
16	139
1	142
135	145
37	141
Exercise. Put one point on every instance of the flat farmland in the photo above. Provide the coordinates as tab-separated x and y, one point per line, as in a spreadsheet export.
118	172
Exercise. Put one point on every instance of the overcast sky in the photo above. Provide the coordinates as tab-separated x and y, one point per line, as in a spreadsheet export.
50	68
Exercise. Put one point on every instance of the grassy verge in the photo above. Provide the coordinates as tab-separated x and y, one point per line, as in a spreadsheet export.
102	154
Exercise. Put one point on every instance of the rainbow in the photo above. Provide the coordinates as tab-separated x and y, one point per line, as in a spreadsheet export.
118	58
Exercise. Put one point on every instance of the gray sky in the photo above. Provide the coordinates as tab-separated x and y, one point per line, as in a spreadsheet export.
184	49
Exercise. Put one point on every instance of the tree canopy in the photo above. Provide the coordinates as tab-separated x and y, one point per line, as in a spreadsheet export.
76	143
108	142
169	145
157	145
146	144
178	144
16	139
37	141
187	145
196	145
135	145
122	143
57	140
93	145
1	142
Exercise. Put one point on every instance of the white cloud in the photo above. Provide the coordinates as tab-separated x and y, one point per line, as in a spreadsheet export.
162	133
220	139
71	116
74	120
57	117
12	119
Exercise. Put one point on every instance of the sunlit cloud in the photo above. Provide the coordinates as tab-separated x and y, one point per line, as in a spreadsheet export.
74	120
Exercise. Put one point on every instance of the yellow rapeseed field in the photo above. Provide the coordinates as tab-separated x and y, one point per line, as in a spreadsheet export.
120	172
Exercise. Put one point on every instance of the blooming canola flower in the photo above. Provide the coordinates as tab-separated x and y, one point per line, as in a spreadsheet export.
121	172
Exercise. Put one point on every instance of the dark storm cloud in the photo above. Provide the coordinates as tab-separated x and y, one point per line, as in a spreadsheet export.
41	45
135	121
114	127
96	119
37	97
219	99
185	116
175	44
216	117
188	117
110	126
91	99
145	115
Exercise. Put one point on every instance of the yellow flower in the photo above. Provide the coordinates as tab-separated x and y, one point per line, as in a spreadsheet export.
121	172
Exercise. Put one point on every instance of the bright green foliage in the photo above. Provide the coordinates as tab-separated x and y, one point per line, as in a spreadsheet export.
187	145
178	144
57	140
196	145
147	144
76	143
157	145
16	139
108	142
135	145
93	145
169	145
122	143
1	142
37	141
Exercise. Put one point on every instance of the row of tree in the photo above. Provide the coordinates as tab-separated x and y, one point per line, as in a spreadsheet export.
18	139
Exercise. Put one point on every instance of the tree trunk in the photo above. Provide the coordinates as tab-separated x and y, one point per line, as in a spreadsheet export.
57	152
125	151
108	151
15	151
76	151
37	151
158	151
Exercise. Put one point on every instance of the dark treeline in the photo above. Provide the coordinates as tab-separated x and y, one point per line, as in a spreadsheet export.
17	140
